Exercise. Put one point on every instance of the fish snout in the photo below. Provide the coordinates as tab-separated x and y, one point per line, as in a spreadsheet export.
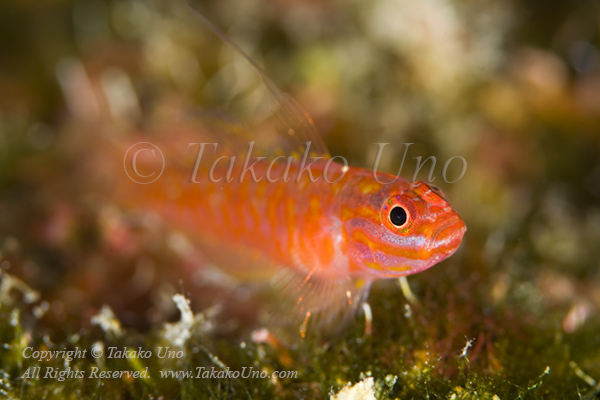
448	237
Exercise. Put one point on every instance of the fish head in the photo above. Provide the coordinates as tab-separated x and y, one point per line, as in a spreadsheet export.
401	229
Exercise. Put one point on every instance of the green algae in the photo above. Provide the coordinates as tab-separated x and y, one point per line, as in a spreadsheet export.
412	355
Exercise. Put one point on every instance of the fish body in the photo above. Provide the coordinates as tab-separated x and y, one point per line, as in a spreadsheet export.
340	229
333	229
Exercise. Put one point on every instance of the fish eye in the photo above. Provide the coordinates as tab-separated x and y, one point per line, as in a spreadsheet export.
398	216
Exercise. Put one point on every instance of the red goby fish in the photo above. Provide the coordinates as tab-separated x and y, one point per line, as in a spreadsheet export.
327	238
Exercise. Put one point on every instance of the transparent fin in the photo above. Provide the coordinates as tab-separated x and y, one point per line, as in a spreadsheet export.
293	124
312	302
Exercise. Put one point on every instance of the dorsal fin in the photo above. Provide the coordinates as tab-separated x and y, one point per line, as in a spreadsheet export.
296	126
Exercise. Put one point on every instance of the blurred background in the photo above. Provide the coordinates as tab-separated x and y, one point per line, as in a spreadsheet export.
513	87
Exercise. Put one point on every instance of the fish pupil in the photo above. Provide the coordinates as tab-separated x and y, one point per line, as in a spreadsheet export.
398	216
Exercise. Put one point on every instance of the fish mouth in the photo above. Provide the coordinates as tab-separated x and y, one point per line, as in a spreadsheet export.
448	236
